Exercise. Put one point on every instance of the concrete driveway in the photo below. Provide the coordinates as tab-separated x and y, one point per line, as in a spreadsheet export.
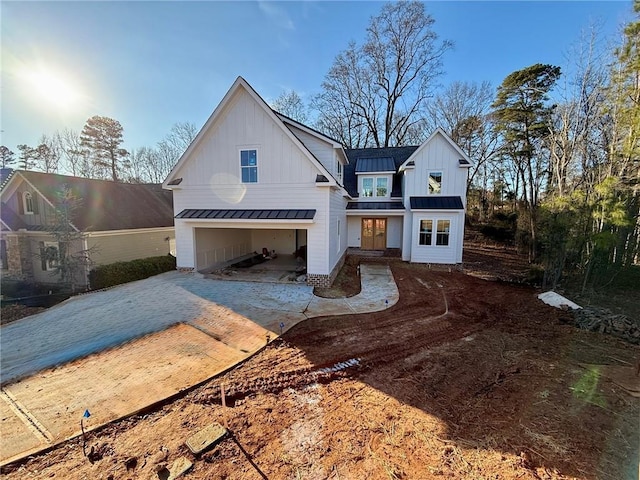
149	339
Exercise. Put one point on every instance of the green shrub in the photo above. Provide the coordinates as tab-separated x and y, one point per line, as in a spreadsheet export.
122	272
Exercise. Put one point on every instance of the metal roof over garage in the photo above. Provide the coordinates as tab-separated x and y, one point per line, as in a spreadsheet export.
208	214
436	203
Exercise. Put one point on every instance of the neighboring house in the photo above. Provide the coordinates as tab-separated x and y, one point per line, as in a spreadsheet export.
119	221
253	177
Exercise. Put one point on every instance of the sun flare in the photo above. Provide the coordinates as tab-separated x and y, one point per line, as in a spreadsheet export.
52	87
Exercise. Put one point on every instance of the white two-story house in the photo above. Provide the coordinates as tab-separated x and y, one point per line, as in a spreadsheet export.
253	177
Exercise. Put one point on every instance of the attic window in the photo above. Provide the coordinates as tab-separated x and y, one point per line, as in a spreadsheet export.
175	181
435	183
249	166
27	202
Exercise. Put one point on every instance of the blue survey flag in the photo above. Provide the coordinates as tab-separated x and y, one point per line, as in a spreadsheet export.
86	414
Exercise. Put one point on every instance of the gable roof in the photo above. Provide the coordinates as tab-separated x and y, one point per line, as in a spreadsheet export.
241	83
105	205
454	145
398	154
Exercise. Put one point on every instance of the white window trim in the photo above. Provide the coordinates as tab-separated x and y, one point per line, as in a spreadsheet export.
244	149
434	232
441	172
374	191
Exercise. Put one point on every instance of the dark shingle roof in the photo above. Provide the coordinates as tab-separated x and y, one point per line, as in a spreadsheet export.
107	205
436	203
247	214
375	206
384	164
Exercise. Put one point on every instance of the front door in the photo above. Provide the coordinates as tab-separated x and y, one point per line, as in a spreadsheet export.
374	234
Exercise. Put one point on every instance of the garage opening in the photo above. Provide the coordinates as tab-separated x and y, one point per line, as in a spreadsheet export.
221	250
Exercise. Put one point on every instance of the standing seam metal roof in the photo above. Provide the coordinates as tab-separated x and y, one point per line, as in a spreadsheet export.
210	214
384	164
436	203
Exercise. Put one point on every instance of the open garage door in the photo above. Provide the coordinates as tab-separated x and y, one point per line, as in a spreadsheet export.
216	247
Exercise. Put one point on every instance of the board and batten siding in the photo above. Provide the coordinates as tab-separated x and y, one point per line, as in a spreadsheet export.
436	156
122	246
323	151
244	124
286	180
337	241
259	197
451	253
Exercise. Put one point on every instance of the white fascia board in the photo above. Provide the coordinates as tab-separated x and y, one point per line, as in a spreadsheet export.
438	131
369	174
284	119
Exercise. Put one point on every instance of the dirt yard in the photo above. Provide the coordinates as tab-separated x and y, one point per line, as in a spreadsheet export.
463	378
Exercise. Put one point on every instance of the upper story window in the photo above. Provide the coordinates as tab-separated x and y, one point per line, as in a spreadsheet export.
27	203
249	166
339	170
435	183
375	187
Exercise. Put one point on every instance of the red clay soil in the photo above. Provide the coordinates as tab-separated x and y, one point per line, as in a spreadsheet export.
463	378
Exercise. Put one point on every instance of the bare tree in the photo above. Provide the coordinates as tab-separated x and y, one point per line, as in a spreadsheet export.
74	158
289	103
463	110
47	154
383	85
152	165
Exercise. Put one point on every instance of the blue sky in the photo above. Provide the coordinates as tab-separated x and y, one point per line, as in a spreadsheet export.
152	64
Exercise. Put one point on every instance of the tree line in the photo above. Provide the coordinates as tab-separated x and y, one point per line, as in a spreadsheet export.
96	152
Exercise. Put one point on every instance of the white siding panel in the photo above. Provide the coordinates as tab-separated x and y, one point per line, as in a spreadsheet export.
437	155
244	124
394	232
354	231
322	150
185	244
337	243
451	253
